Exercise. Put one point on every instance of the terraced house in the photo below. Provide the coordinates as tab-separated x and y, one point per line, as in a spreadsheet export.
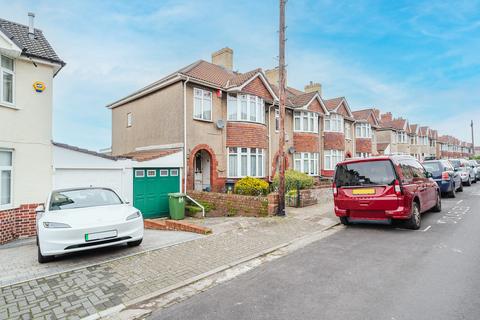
366	126
228	122
393	135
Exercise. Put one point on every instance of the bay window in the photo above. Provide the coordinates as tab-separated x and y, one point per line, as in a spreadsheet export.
244	107
363	155
363	130
402	137
306	162
305	121
332	157
243	162
202	104
5	178
334	123
7	79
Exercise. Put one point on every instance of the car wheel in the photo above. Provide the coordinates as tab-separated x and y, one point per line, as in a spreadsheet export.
469	182
135	243
474	180
453	193
460	189
415	219
42	258
344	221
438	205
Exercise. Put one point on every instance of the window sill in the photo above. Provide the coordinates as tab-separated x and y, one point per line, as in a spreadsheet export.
333	131
202	120
7	207
9	106
247	121
298	131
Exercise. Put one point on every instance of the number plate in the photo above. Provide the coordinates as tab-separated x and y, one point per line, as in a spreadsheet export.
100	235
363	191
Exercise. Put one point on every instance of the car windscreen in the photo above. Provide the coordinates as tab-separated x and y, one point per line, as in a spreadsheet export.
83	198
456	163
370	173
434	167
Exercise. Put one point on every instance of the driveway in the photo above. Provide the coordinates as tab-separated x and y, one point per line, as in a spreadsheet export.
19	258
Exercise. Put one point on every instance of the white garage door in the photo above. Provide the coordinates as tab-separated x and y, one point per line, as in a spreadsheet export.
74	178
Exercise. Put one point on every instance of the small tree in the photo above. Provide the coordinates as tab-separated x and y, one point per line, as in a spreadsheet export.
295	180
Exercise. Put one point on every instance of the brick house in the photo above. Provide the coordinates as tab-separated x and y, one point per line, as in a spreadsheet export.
393	135
28	66
226	122
366	125
339	135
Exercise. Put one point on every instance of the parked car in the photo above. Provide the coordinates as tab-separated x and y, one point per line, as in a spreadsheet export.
476	168
465	170
85	218
444	174
384	189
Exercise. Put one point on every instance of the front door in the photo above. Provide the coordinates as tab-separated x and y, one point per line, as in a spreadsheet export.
202	171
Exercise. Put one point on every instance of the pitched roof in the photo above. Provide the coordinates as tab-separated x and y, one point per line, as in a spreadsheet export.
36	47
86	151
413	128
364	115
422	131
382	146
146	155
332	104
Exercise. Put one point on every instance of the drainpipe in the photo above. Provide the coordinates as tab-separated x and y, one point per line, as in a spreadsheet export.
269	145
185	170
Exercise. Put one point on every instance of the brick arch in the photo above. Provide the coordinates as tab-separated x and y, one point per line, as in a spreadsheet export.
274	163
215	183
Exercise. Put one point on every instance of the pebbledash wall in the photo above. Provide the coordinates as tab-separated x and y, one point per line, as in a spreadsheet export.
18	222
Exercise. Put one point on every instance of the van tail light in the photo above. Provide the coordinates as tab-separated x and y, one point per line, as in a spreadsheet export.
445	175
334	188
397	188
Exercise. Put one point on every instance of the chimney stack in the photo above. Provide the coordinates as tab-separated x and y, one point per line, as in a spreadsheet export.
31	29
387	116
224	58
273	76
313	87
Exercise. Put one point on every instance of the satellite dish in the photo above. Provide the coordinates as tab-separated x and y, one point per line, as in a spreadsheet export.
291	150
220	124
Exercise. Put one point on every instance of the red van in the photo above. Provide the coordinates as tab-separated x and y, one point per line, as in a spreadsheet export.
382	189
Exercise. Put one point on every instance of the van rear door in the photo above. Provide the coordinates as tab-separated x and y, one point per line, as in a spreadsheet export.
366	185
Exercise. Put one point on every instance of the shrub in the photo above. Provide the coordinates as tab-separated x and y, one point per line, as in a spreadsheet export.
295	179
249	186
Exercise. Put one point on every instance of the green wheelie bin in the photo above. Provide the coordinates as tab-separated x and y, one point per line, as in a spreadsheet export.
176	204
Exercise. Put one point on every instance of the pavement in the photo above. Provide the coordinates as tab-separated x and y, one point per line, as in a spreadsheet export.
112	283
361	272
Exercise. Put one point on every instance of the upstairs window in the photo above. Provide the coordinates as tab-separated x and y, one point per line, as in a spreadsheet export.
244	107
7	79
129	120
202	104
363	130
402	137
334	123
5	178
305	121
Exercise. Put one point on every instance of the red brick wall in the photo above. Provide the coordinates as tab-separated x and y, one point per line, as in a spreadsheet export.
248	135
306	142
343	110
316	107
234	204
18	222
363	145
257	88
334	141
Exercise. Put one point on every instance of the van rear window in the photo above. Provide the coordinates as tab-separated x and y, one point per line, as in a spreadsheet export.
365	174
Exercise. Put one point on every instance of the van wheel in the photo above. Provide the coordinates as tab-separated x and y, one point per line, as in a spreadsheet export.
438	205
460	189
415	219
344	221
43	259
134	243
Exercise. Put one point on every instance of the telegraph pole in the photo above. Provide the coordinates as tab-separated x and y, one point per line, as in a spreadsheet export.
281	91
473	140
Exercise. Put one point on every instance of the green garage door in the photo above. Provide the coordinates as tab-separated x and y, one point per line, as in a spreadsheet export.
151	187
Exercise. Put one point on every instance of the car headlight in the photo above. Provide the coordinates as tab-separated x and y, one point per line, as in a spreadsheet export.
134	215
55	225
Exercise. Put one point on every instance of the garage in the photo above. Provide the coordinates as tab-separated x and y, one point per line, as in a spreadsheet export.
143	178
151	187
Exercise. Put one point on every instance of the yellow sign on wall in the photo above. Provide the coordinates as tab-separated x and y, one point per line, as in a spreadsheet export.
39	86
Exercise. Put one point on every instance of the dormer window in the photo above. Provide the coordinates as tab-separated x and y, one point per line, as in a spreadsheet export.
334	123
7	79
244	107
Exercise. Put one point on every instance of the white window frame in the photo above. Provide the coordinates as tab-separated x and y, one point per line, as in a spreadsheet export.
149	173
12	73
129	119
363	130
402	137
10	169
234	108
311	119
142	175
299	159
163	173
362	155
205	103
173	172
331	158
277	119
258	154
334	123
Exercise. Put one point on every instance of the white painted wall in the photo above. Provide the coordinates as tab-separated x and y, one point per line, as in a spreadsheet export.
27	130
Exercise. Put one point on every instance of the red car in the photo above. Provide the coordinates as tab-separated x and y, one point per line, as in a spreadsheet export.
383	189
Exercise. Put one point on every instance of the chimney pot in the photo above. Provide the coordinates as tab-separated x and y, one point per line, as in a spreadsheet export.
224	58
313	87
31	27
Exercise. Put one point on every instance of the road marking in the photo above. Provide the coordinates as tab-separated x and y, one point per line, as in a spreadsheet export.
426	229
459	201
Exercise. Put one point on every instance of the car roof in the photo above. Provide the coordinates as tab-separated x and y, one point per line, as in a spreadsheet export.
394	158
80	188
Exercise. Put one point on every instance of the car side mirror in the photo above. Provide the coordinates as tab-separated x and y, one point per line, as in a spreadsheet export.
40	209
429	175
455	169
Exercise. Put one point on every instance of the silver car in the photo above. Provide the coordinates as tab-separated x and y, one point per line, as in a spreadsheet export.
465	170
476	168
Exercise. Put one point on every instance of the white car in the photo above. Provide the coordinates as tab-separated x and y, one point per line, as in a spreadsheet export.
85	218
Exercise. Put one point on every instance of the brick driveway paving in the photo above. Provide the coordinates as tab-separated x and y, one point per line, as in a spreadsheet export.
85	291
19	259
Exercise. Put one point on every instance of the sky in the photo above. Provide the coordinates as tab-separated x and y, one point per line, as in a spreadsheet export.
417	59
